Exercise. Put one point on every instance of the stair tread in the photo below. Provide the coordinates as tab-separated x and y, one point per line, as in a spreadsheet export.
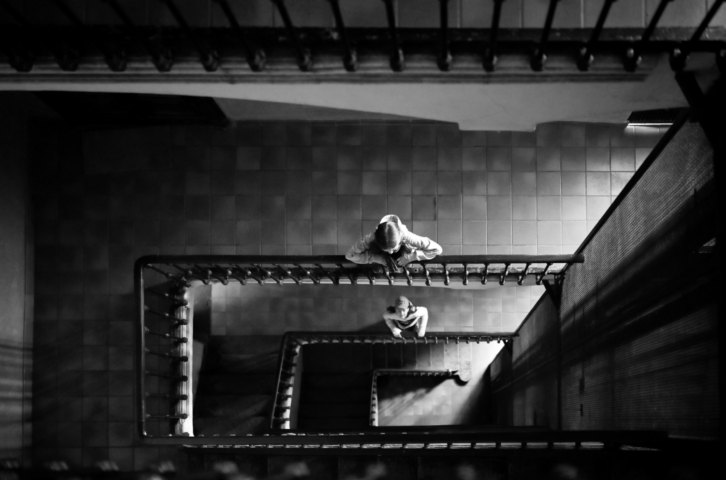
230	426
233	406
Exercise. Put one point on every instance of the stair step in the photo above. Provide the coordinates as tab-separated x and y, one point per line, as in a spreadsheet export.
244	384
231	426
233	406
338	380
334	395
338	410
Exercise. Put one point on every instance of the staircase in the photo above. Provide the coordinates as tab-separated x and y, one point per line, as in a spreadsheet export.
336	380
236	386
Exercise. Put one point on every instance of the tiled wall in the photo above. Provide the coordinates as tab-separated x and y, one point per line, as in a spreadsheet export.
276	188
371	13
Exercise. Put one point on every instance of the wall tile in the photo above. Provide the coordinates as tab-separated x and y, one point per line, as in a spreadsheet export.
349	183
499	183
573	233
476	14
298	207
374	158
399	158
647	136
324	134
598	159
499	208
449	207
499	233
272	208
324	158
348	134
685	13
373	134
349	232
298	232
596	207
573	135
401	206
622	159
449	233
363	14
474	183
423	183
423	135
524	208
272	233
622	136
374	183
374	207
474	208
423	207
449	158
349	207
524	183
449	183
474	158
398	135
349	158
524	159
475	233
499	159
574	208
415	14
548	159
549	233
325	183
426	229
597	135
641	154
399	183
324	232
524	233
598	183
622	14
424	158
548	183
573	183
549	208
473	138
548	135
448	135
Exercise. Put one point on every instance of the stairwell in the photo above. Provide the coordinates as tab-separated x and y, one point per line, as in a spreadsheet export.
336	380
236	387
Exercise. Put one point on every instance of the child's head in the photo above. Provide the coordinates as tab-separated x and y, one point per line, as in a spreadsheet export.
388	236
401	306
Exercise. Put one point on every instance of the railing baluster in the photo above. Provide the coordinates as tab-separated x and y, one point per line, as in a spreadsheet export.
585	57
166	315
371	276
166	395
167	417
466	274
161	57
66	57
445	58
409	280
504	274
484	274
115	58
304	59
208	57
447	280
632	54
177	358
350	59
309	274
538	279
397	61
189	272
166	335
539	57
428	276
679	55
255	58
524	274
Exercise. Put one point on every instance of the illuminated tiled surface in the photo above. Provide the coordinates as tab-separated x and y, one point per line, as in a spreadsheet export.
276	188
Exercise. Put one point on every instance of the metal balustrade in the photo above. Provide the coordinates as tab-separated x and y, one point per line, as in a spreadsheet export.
31	42
292	342
164	325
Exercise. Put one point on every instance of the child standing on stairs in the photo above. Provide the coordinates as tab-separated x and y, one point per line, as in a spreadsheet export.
404	315
391	244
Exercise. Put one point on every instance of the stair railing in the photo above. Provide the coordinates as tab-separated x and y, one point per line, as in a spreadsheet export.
164	327
292	342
